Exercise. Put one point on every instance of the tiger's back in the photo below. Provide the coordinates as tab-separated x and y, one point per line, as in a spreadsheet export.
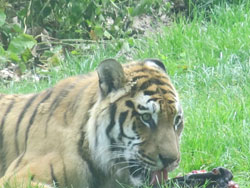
58	135
26	120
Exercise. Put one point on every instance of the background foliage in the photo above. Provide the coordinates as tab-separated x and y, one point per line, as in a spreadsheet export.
30	29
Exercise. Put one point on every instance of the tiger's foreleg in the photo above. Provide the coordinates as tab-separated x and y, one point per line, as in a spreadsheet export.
21	183
48	171
38	172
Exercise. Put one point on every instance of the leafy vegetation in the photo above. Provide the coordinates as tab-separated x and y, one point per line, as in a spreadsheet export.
29	30
207	57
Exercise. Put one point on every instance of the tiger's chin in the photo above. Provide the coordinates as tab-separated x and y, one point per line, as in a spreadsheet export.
140	176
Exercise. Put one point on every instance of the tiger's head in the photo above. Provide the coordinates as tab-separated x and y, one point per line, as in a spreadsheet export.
136	124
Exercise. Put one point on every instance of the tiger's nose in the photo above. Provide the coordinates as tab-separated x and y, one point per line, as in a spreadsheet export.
166	160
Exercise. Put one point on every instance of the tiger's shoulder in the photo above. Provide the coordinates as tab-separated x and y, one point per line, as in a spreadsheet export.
122	122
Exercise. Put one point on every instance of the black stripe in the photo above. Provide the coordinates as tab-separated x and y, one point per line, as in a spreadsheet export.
167	91
140	107
32	118
25	109
135	113
144	70
53	177
171	101
130	104
6	113
152	124
153	99
139	77
148	162
96	174
122	119
65	177
136	170
80	144
172	93
133	90
73	105
112	112
135	131
56	103
134	127
85	118
97	177
136	144
2	153
151	81
148	92
65	118
147	157
31	121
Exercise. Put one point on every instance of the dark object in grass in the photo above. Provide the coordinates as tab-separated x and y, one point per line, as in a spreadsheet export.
218	178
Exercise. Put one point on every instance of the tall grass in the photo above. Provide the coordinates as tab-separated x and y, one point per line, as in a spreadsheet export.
208	59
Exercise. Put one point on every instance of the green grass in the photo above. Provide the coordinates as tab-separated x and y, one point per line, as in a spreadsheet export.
208	59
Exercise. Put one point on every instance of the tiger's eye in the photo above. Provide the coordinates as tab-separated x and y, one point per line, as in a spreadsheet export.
146	117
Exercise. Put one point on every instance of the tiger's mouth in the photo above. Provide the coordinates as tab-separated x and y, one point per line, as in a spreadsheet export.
159	176
156	177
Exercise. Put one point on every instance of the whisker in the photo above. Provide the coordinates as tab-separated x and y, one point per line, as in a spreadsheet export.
137	170
146	161
126	167
125	162
107	148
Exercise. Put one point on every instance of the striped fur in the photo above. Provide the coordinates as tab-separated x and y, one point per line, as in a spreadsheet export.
117	124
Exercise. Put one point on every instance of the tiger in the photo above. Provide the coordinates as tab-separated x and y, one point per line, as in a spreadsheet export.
118	125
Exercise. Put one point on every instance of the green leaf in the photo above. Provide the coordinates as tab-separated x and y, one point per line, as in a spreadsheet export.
99	31
22	66
130	11
141	8
46	12
75	52
131	41
2	17
2	51
107	34
3	57
20	43
13	57
26	55
17	28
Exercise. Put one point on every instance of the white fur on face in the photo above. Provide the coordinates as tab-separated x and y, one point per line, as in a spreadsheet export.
151	107
101	147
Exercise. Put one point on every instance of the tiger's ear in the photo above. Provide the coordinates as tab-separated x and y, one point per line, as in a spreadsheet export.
111	76
156	63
